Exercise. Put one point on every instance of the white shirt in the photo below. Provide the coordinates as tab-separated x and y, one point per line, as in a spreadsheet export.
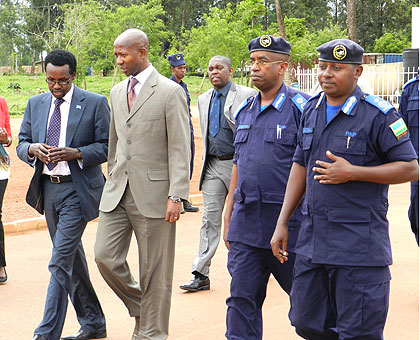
142	77
62	168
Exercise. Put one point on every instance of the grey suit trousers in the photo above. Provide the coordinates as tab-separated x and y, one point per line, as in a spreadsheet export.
150	298
215	189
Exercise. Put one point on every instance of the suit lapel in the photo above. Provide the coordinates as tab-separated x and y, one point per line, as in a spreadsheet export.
206	112
44	111
77	107
146	92
229	102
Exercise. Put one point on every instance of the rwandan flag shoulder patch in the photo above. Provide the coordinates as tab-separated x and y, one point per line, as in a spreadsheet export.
399	128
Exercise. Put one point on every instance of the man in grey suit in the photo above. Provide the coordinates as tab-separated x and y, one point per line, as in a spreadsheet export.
216	108
64	134
148	176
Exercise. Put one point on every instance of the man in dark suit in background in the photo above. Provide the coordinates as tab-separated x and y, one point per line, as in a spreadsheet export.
64	134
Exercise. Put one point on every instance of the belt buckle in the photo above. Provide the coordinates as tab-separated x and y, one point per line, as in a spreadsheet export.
54	179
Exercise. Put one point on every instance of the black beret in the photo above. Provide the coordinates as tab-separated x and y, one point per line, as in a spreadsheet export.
270	44
176	59
341	51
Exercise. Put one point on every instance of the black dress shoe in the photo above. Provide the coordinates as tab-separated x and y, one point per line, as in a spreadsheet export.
3	279
85	335
188	207
39	337
197	284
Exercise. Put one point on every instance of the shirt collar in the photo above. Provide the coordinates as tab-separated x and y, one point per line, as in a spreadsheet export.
224	90
67	97
143	75
278	102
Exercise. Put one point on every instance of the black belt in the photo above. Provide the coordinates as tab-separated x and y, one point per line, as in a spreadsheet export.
223	157
58	179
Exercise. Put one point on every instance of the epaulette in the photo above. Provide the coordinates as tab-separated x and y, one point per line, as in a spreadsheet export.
412	80
315	96
381	104
240	107
299	101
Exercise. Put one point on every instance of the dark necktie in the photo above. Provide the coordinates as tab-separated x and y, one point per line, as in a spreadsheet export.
53	132
215	115
131	95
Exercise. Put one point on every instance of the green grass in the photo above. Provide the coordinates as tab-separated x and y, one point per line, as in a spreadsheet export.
31	86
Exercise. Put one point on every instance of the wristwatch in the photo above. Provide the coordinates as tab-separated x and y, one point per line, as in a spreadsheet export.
175	199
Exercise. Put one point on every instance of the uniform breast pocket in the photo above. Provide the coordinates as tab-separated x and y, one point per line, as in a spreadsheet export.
352	149
240	140
307	141
348	230
279	147
413	111
241	136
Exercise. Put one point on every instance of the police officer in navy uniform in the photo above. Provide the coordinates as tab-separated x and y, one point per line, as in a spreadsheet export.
409	110
178	70
265	141
351	146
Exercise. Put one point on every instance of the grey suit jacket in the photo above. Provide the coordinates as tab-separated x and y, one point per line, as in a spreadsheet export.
149	146
87	130
236	95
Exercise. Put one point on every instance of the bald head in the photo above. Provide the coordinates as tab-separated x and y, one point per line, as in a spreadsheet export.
133	37
130	49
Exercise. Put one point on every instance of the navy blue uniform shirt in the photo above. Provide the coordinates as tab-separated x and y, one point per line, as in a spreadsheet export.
409	110
265	142
346	224
184	86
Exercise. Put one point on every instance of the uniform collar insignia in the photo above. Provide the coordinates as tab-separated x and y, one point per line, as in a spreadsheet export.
349	105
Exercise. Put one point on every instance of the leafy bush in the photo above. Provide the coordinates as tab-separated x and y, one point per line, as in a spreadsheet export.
394	42
14	86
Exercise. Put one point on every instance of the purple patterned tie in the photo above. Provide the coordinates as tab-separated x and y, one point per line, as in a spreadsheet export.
53	132
131	95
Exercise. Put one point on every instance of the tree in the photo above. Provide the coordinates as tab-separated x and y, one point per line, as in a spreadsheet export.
225	32
10	33
351	19
280	19
391	43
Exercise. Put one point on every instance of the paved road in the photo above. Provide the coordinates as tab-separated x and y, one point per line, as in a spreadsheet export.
200	315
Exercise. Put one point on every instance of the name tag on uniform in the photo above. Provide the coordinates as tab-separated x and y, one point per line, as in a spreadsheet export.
243	127
307	130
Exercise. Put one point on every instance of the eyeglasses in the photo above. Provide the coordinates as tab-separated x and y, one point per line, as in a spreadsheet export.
263	62
59	82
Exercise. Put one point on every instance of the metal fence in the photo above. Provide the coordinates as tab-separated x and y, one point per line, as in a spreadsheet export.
382	80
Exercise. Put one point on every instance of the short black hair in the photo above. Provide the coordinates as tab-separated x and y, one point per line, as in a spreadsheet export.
225	60
60	58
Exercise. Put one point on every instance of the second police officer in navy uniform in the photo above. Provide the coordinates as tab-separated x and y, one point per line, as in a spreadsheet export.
409	110
178	70
351	146
265	141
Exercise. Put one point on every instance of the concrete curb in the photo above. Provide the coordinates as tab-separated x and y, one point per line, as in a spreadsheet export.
29	224
39	223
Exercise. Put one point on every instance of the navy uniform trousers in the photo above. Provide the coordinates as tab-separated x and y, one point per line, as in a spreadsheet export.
250	269
69	271
356	306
